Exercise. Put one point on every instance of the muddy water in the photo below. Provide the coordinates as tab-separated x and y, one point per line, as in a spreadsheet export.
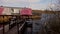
39	25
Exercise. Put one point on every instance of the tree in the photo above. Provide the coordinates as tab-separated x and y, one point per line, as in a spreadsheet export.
58	1
54	6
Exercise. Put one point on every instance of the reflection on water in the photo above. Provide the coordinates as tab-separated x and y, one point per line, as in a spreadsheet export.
41	27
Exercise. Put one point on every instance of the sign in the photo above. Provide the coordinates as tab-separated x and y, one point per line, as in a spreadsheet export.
26	11
1	10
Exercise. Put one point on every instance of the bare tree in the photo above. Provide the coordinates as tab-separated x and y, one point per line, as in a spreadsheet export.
55	6
58	1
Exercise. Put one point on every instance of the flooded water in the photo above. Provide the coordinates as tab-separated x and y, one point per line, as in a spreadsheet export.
39	26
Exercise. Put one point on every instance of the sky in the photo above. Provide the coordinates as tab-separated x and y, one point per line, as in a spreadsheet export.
34	4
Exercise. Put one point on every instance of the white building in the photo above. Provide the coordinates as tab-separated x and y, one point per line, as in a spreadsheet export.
10	10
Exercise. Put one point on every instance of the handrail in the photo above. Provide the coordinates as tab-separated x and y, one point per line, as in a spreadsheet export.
22	26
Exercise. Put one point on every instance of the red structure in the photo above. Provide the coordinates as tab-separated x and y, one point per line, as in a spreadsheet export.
1	10
26	11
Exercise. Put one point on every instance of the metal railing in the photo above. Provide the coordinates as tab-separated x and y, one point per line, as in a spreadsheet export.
17	20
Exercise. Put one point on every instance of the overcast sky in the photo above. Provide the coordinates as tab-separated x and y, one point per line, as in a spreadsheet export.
34	4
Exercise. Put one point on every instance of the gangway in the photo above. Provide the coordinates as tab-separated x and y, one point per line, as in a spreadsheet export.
19	23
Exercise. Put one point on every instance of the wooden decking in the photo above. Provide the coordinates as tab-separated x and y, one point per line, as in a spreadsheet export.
12	31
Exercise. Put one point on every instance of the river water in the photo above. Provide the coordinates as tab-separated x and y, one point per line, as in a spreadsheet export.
39	25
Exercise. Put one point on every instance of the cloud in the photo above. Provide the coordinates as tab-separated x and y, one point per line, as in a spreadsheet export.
14	1
34	1
38	6
18	2
34	4
21	3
